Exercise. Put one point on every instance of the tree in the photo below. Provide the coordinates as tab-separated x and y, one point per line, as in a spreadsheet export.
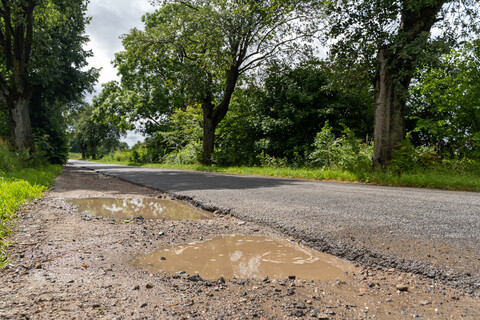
40	49
444	107
393	38
199	50
298	101
90	135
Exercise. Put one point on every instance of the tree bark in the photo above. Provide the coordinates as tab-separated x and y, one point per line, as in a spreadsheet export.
20	123
396	66
213	115
390	100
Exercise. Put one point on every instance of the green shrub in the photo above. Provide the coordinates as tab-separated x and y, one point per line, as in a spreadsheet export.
345	152
190	154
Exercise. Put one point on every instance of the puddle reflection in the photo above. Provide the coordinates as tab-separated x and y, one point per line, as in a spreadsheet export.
148	208
246	257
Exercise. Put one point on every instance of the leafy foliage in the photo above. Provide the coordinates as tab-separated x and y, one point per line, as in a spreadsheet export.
445	104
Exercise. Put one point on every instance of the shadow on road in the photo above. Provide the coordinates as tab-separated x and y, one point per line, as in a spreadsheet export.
178	181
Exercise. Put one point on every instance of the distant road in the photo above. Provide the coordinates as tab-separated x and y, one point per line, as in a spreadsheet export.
432	232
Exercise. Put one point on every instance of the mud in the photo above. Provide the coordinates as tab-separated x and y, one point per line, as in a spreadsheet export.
66	264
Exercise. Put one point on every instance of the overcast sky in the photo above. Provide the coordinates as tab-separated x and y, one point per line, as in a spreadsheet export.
111	19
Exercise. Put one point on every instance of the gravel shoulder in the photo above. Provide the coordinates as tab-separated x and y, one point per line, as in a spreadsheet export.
69	265
433	233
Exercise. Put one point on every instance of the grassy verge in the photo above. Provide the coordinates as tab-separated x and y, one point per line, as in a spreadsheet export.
435	178
17	187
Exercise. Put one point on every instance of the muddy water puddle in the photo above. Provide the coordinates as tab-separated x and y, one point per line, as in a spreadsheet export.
148	208
246	257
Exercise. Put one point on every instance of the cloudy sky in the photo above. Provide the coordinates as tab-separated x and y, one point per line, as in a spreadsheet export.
111	19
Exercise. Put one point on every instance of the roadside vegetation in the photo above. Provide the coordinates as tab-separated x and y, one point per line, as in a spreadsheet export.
23	177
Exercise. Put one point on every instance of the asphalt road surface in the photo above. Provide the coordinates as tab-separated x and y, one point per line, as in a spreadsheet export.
431	232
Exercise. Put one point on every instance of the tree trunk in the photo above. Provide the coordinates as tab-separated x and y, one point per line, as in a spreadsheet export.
21	126
390	99
208	139
396	66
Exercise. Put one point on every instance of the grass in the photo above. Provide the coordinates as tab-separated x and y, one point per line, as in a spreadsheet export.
435	178
18	184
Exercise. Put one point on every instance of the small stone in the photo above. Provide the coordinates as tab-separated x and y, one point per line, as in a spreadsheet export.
163	258
299	313
144	305
322	316
292	277
388	300
161	233
242	223
221	280
401	287
137	287
424	303
308	302
96	306
149	286
195	278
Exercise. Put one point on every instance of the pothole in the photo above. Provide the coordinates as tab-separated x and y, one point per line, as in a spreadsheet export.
246	257
148	208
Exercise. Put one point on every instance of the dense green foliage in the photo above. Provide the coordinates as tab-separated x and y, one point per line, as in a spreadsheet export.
21	179
92	138
51	76
445	105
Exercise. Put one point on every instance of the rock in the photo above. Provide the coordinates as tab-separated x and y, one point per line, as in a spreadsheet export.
242	223
221	280
163	258
96	306
299	313
301	305
292	277
195	278
182	273
401	287
144	305
149	286
424	303
137	287
139	218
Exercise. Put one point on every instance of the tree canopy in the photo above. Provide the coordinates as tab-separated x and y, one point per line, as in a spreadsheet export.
195	52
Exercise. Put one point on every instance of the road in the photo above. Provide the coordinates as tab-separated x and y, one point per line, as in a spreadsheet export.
432	232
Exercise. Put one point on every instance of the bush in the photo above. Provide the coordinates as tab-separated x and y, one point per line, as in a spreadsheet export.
407	157
345	152
190	154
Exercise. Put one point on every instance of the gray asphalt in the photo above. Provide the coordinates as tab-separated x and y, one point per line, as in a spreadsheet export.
433	232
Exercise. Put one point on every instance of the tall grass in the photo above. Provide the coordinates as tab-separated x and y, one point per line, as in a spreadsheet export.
18	184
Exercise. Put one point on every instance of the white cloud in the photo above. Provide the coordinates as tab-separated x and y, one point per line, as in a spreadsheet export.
110	19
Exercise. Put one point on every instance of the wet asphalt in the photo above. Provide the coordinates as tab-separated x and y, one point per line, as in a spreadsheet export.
431	232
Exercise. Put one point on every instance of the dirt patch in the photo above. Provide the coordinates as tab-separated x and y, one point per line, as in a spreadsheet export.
70	265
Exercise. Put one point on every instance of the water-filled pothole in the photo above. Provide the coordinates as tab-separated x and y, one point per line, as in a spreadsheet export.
246	257
148	208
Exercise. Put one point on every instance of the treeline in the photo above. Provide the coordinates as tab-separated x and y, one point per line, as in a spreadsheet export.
237	83
240	83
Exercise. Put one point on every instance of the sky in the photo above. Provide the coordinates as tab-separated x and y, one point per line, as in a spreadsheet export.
110	20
